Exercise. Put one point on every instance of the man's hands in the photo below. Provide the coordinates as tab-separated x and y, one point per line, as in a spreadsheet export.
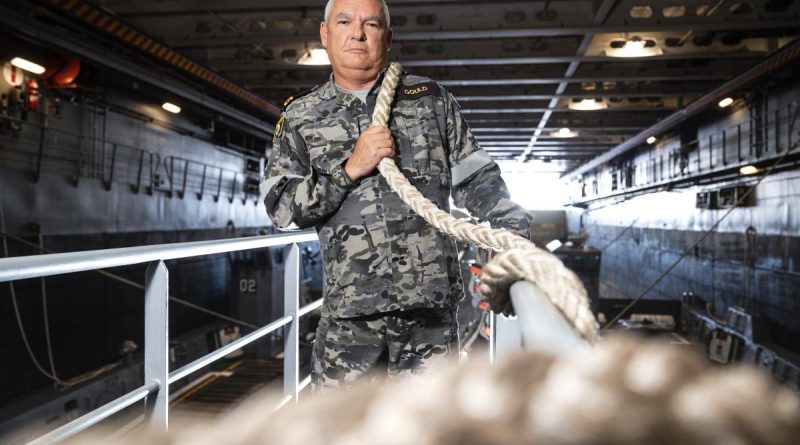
373	145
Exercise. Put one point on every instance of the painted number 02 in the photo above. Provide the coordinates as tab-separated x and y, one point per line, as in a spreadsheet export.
247	285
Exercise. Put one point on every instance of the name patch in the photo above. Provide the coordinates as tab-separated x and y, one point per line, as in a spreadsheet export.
417	91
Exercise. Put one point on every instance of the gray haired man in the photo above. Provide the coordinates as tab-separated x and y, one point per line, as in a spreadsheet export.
391	281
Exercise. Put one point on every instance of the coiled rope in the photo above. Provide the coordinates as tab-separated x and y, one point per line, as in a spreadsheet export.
519	259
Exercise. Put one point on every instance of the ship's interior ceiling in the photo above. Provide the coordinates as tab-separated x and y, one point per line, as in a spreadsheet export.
548	83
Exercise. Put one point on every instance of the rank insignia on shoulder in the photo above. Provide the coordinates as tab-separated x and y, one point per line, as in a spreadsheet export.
278	130
417	91
293	98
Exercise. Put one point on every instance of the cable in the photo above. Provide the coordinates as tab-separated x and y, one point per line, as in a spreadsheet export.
620	234
703	237
140	286
52	374
16	306
467	346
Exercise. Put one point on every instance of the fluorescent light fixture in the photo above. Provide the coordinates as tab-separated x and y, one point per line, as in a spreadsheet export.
749	170
172	108
588	105
27	65
725	102
564	133
651	140
635	47
316	56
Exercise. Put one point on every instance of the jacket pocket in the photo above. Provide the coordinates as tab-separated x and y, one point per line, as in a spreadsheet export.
418	139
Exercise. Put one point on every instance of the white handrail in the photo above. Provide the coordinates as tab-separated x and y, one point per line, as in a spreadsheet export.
156	315
34	266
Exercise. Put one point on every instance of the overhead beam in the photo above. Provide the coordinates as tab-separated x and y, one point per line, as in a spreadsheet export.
536	31
564	110
592	150
711	77
603	94
245	66
476	129
552	143
614	121
550	80
482	34
521	137
190	8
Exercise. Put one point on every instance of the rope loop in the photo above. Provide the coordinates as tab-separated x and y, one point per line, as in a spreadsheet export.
519	259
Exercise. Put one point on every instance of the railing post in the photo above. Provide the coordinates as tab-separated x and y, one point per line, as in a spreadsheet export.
203	183
711	152
724	148
492	337
542	325
291	306
38	172
156	331
789	125
777	132
739	141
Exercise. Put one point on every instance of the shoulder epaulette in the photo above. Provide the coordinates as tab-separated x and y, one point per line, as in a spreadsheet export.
293	98
279	125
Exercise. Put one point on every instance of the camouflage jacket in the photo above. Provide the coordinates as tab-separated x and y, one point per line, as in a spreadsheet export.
378	255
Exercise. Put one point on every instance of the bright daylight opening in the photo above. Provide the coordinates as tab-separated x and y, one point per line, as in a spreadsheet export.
537	190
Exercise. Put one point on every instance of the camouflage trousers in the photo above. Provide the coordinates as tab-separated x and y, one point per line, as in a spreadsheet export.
395	344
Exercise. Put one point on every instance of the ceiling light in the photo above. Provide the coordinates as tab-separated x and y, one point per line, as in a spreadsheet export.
588	105
748	170
725	102
27	65
564	133
635	47
316	56
651	140
172	108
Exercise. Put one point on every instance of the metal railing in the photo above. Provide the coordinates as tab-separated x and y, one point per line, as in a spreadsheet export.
754	140
157	378
542	326
46	148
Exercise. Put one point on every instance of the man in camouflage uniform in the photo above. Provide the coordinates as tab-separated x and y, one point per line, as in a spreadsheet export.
391	281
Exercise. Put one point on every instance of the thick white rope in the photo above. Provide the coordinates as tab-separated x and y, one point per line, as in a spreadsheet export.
520	259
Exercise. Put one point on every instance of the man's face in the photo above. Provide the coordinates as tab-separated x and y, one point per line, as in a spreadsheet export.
356	37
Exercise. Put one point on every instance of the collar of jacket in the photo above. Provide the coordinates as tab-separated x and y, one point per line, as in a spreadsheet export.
328	91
